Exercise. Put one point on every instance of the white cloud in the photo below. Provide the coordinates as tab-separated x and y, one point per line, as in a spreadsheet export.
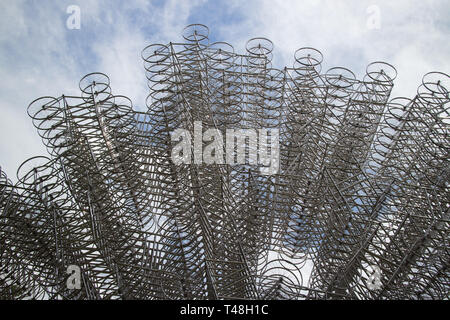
413	35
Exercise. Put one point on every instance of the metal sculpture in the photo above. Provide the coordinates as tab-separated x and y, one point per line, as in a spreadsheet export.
361	193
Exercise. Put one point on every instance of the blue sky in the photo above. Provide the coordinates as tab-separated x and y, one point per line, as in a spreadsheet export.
40	56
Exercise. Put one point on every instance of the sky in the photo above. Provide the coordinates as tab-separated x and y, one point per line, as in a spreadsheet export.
41	56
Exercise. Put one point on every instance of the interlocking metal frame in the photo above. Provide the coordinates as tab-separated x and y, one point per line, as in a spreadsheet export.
363	183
